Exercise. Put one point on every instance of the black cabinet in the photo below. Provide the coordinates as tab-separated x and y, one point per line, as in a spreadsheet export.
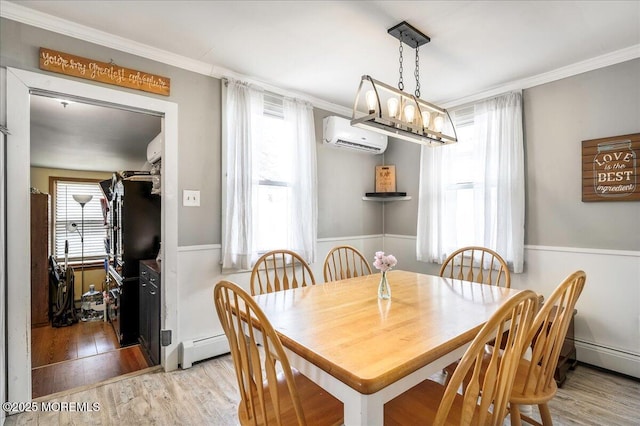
149	312
127	322
133	235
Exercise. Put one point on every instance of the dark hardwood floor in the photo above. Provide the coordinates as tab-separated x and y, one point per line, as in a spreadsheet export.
82	354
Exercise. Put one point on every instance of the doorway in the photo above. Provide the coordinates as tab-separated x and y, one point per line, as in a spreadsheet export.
20	84
76	145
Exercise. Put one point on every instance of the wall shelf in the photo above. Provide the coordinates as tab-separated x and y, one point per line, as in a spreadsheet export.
405	198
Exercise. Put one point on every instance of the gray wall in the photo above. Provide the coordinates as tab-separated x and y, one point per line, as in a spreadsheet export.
401	216
343	176
198	99
558	116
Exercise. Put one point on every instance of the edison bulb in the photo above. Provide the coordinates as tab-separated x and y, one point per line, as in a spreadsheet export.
409	112
426	117
438	123
392	107
372	101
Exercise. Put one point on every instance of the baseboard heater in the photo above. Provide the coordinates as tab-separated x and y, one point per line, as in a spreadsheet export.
199	349
622	361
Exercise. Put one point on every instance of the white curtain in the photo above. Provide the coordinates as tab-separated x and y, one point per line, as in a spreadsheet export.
495	215
244	117
243	113
298	117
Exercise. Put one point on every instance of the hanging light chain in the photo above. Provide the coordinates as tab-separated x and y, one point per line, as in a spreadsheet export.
417	73
400	81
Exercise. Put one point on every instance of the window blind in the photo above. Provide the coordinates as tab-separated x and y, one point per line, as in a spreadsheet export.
67	210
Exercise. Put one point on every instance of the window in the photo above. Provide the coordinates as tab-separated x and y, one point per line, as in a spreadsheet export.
465	178
269	166
272	167
472	192
67	211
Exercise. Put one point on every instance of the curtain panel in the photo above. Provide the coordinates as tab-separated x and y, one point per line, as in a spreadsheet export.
495	216
298	116
244	111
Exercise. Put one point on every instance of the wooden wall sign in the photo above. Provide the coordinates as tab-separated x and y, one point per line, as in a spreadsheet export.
385	178
64	63
611	169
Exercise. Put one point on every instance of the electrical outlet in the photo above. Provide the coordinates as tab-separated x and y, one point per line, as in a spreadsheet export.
190	198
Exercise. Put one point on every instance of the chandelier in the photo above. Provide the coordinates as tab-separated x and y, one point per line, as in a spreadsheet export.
393	112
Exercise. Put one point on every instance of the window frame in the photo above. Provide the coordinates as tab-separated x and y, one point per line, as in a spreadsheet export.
91	260
273	108
464	120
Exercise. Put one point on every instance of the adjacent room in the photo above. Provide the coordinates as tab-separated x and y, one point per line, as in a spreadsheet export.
406	212
81	332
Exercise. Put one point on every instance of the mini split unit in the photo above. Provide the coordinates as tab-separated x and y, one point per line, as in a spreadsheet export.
338	132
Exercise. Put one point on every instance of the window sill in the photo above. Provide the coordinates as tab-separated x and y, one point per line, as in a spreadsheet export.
89	264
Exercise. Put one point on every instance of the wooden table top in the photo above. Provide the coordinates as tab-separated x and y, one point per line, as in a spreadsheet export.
368	343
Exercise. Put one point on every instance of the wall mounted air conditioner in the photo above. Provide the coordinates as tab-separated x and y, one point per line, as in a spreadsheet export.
154	149
338	132
154	163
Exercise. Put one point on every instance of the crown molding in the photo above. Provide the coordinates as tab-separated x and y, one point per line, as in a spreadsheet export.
52	23
616	57
48	22
69	28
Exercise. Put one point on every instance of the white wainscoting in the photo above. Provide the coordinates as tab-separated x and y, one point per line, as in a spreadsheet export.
199	331
607	326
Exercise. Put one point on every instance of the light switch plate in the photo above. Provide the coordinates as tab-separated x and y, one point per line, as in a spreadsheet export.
190	198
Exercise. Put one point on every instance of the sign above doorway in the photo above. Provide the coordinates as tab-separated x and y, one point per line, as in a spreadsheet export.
76	66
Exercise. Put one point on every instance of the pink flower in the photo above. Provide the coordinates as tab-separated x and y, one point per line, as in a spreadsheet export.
384	263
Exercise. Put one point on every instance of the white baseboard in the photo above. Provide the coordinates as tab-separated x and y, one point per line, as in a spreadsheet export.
196	350
611	359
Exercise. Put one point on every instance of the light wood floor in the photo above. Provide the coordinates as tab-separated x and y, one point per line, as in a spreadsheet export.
82	354
206	394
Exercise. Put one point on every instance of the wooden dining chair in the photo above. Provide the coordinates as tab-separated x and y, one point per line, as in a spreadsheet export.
477	264
534	382
484	399
280	270
345	262
271	392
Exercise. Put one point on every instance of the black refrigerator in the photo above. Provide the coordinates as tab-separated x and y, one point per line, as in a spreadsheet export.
133	234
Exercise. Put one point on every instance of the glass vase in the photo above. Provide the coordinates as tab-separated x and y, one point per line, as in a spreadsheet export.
384	291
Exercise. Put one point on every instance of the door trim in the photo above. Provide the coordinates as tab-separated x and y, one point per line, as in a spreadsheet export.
19	84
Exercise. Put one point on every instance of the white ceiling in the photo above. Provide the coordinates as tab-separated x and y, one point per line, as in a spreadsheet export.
81	136
320	49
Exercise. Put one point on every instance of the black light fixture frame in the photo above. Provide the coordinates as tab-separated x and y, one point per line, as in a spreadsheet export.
408	35
416	130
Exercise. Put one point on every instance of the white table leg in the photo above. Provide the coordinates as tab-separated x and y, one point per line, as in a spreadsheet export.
364	410
368	410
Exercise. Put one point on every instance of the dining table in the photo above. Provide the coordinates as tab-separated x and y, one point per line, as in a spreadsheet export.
366	351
